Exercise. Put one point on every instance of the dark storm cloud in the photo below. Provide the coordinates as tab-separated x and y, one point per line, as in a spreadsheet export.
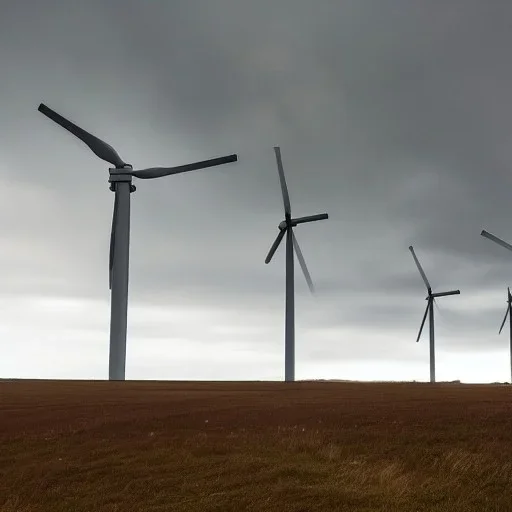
394	117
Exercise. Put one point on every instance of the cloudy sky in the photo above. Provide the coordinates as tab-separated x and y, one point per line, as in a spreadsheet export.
394	116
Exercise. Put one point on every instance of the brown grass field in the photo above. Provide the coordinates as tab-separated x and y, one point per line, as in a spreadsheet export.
306	446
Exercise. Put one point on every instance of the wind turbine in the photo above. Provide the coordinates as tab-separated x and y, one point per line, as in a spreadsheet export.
499	241
509	315
120	180
286	228
430	311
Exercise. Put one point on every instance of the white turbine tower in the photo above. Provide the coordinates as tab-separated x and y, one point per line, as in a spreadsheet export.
286	228
121	184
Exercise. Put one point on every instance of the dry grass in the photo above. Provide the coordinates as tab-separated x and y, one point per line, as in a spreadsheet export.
145	446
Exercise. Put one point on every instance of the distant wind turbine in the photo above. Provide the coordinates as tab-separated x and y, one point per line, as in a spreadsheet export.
286	228
430	311
508	313
120	180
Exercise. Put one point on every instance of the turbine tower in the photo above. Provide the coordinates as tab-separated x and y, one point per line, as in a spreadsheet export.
499	241
286	228
120	180
430	312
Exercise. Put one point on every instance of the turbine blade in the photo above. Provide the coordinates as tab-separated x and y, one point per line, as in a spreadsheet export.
423	322
112	241
302	263
310	218
423	276
275	245
496	240
504	320
159	172
445	294
282	179
100	148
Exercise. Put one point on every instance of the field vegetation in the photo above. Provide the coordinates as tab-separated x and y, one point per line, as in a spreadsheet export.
234	447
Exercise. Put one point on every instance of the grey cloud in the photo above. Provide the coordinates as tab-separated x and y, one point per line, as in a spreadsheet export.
392	117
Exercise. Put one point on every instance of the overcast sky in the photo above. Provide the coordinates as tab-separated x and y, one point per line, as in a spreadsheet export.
394	116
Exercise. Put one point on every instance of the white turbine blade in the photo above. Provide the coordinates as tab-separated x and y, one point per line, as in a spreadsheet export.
112	241
423	322
423	276
504	320
275	245
284	188
496	240
159	172
302	263
100	148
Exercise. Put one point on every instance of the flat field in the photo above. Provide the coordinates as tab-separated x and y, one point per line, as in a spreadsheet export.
209	446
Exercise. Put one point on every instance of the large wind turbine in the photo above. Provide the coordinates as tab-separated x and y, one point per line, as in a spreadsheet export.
499	241
430	311
120	180
286	228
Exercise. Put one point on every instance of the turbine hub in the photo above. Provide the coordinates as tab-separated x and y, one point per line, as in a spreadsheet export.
283	225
